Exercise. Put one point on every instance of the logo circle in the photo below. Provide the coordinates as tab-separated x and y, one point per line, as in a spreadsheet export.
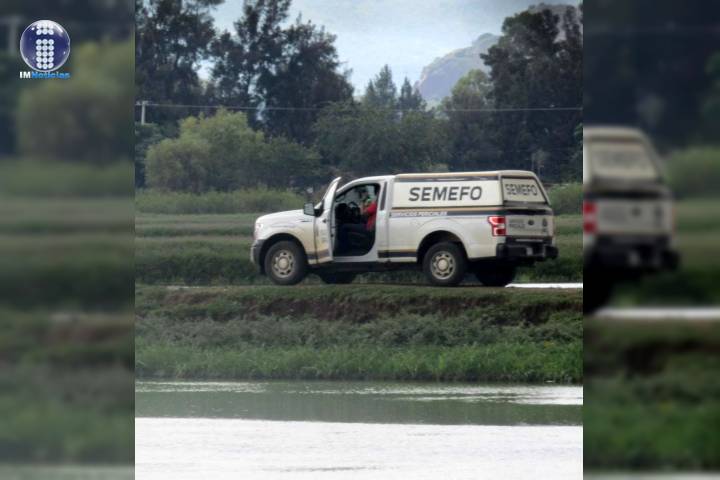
45	46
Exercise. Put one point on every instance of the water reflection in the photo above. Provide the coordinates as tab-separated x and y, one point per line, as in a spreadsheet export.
363	402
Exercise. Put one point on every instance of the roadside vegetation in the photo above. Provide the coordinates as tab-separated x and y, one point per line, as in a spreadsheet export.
652	399
376	332
66	347
209	249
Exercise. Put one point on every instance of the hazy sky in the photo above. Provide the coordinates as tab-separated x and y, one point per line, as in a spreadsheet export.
405	34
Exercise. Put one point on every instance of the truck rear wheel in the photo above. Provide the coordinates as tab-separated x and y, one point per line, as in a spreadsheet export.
444	264
337	278
495	275
596	297
286	263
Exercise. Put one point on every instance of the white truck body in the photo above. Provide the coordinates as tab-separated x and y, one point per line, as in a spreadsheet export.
414	211
628	224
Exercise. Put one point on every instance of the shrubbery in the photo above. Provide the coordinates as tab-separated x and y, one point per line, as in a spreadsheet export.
223	153
566	199
695	172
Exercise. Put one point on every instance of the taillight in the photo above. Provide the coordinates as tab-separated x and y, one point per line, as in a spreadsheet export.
589	217
498	226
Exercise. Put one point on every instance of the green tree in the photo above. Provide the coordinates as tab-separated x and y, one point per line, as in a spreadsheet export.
10	86
286	72
145	137
468	123
536	67
172	38
180	164
710	108
381	92
360	140
644	64
410	98
91	116
224	153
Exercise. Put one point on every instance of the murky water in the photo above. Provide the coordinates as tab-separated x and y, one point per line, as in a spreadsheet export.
356	430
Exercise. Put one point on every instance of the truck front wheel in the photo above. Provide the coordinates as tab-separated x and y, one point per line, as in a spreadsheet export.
444	264
286	263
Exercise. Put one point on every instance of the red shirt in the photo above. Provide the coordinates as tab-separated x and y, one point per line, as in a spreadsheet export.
371	212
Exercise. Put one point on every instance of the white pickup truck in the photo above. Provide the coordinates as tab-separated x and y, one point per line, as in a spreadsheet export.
443	223
627	211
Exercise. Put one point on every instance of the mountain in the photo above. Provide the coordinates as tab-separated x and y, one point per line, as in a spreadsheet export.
438	78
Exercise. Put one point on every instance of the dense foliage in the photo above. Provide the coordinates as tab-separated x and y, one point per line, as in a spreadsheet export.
301	124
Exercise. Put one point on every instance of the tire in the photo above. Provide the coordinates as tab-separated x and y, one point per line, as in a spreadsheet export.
495	275
444	264
286	263
595	296
337	278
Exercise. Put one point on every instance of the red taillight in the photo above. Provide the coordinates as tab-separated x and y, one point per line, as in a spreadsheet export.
498	226
589	217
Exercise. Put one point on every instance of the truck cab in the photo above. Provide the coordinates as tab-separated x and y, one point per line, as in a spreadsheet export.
627	211
445	224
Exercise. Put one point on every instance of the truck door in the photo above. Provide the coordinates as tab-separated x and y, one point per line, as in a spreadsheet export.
382	238
324	225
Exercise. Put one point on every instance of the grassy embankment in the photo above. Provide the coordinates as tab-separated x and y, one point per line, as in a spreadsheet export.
66	287
652	399
208	249
359	332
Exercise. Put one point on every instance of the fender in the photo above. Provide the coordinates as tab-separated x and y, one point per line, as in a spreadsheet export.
446	224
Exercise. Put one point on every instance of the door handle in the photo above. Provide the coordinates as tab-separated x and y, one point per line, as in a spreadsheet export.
324	220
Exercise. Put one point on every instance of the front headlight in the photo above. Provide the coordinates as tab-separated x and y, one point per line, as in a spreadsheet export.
258	227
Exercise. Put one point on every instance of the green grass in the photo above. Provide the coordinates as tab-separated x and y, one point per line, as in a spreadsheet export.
67	379
503	362
566	199
48	179
241	201
215	249
652	400
359	332
66	347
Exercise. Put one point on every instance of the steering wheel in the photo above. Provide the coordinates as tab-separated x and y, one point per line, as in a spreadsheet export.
354	211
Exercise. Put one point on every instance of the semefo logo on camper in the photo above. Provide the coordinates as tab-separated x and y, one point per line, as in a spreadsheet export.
45	47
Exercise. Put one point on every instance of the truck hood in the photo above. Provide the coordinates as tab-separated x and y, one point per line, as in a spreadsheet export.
279	217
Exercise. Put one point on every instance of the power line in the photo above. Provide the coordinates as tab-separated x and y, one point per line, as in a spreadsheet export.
311	109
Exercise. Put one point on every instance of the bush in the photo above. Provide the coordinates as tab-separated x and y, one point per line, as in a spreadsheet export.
695	172
566	198
240	201
86	119
223	153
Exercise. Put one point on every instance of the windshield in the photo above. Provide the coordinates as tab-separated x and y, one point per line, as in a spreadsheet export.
622	160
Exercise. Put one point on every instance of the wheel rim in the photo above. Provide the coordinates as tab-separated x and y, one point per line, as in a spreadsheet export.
283	263
442	265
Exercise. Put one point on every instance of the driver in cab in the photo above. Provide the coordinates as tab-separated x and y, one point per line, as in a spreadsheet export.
366	230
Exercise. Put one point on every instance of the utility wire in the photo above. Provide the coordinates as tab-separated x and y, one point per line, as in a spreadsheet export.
310	109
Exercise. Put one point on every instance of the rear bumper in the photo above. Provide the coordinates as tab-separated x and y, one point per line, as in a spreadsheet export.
517	249
636	253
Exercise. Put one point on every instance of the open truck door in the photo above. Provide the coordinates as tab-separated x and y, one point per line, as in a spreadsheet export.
323	227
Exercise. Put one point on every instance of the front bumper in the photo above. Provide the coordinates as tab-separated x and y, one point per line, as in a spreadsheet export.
255	251
520	249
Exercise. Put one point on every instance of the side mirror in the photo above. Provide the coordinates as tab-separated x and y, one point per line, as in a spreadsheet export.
309	209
